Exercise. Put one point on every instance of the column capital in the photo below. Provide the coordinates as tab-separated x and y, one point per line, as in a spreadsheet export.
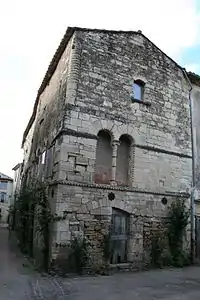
115	143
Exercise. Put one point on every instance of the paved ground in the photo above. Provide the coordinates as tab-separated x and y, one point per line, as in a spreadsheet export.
20	283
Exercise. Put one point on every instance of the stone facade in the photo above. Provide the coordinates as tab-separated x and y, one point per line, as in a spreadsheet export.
6	189
103	149
17	180
195	97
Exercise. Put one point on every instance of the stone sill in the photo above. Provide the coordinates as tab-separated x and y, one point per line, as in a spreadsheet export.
120	266
146	103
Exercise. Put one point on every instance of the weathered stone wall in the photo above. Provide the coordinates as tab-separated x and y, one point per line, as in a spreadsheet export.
195	96
50	111
91	90
27	146
88	211
160	154
152	171
109	65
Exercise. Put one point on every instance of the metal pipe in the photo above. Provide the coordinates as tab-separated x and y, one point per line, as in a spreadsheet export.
192	202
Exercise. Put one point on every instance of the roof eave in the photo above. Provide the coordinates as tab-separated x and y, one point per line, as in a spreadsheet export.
16	167
51	69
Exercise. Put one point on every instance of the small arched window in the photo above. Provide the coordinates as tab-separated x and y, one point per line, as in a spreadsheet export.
103	158
138	90
123	161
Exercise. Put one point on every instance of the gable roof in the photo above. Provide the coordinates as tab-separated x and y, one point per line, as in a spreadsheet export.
56	58
3	176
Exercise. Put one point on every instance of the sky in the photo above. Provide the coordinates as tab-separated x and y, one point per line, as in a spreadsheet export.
31	31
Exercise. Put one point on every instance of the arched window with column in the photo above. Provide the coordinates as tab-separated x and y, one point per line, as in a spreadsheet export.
103	167
124	161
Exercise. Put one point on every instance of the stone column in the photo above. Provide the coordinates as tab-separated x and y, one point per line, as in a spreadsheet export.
131	165
115	145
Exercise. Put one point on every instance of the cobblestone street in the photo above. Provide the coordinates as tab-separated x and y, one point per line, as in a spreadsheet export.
18	282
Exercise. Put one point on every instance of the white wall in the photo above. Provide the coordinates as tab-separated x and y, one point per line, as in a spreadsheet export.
8	199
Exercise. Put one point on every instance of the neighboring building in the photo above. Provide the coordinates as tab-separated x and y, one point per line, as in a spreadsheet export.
6	189
110	132
195	100
17	179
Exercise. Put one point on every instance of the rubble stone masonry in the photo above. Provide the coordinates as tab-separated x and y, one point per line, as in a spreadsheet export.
91	92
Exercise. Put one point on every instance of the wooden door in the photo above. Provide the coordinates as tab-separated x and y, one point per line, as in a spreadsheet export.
119	236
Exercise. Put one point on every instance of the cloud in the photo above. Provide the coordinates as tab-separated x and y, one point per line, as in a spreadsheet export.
31	31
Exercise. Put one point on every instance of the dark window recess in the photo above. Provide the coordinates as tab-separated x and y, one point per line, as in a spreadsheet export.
103	158
137	94
138	90
111	196
123	161
3	197
164	200
41	121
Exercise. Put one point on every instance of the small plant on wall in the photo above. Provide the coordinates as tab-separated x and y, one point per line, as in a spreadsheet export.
106	248
178	219
33	216
167	246
158	244
79	254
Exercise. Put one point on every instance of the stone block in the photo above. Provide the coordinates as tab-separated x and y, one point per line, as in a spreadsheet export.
81	160
89	155
74	177
80	169
65	236
62	175
67	166
87	177
75	122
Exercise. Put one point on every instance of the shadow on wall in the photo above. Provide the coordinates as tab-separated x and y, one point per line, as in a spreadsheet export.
114	159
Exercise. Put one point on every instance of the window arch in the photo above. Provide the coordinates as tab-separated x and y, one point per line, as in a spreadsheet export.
124	161
103	158
138	90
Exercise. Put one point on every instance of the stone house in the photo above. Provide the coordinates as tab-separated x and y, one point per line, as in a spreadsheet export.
195	101
195	97
6	186
110	133
17	179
